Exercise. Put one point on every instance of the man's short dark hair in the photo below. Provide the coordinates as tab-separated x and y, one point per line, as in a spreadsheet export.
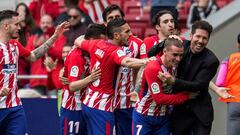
7	14
172	42
156	17
109	10
114	26
204	25
95	31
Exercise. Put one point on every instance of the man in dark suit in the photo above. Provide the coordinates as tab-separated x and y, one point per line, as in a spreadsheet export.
195	71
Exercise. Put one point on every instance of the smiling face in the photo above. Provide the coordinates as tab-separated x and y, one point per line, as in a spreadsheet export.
199	40
172	55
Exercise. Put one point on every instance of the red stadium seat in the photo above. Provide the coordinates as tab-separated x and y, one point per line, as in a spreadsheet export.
149	32
131	7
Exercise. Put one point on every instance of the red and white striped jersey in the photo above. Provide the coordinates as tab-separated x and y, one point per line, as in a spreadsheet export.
155	98
94	9
74	69
105	56
124	81
9	55
148	43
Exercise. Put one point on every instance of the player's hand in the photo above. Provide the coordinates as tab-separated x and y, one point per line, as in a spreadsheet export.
133	96
63	79
96	73
175	37
61	28
166	78
4	91
223	93
50	64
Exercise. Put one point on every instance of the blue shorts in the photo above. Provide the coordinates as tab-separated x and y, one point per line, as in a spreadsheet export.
98	122
150	125
72	122
123	121
13	121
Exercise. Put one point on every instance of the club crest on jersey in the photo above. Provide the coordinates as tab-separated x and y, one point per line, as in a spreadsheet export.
143	49
155	88
74	71
120	53
99	53
9	68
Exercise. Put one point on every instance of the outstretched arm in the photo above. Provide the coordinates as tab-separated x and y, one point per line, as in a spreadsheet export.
40	51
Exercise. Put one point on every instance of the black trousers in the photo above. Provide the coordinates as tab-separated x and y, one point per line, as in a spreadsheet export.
185	122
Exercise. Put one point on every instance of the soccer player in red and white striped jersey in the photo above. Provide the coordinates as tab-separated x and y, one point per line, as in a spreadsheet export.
13	119
106	54
76	70
124	84
164	24
151	114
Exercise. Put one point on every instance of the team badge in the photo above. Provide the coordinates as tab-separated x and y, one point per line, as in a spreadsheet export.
155	88
120	53
143	49
74	71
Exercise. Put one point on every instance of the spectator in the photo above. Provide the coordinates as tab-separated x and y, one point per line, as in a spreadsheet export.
63	16
200	10
38	8
94	8
37	67
27	26
78	24
228	76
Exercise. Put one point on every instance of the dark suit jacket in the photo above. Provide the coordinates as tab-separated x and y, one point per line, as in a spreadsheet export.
194	73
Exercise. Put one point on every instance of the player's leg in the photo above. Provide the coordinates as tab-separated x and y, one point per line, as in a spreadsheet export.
15	122
123	120
71	122
98	122
141	124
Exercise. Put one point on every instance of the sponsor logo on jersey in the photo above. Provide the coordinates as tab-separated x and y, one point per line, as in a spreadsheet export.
120	53
9	69
74	71
155	88
100	53
143	49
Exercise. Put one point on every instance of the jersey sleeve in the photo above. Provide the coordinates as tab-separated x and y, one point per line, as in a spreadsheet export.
87	45
22	51
118	55
75	67
155	87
